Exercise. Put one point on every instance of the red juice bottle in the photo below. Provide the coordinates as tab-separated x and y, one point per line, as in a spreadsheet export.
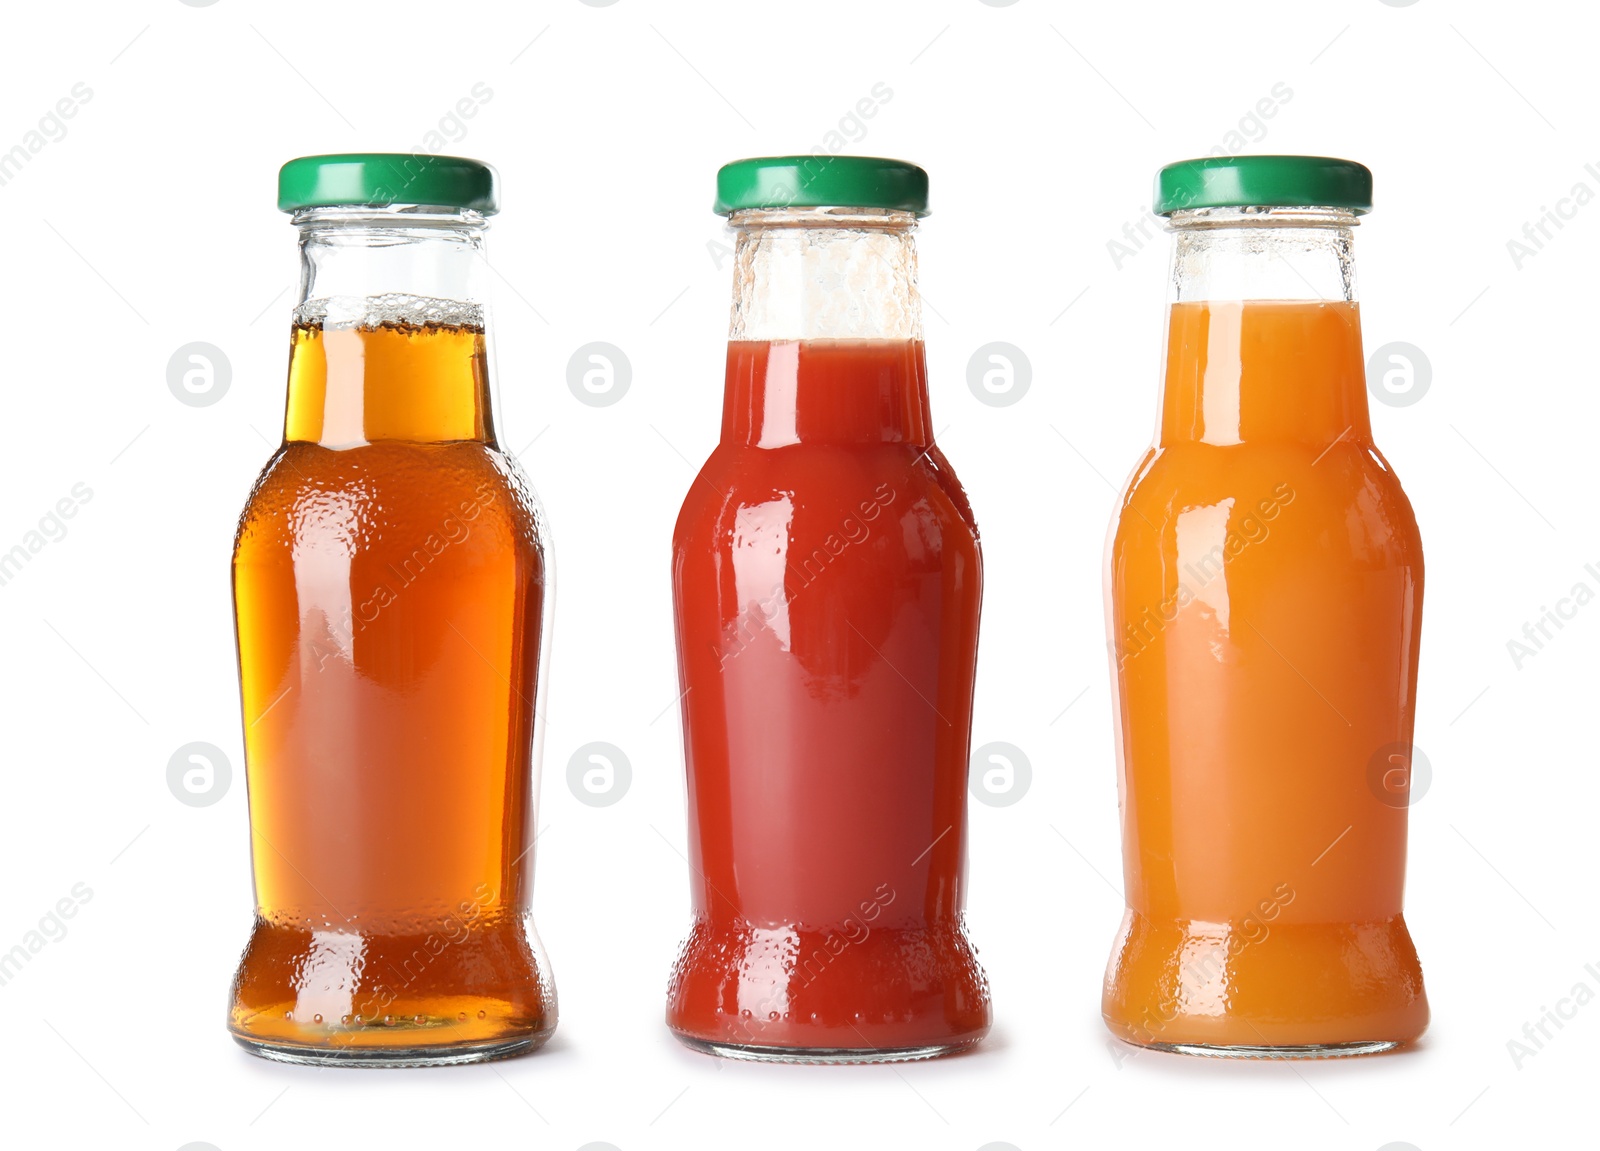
826	582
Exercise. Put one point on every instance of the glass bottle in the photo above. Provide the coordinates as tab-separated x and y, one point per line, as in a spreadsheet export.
391	589
826	581
1265	587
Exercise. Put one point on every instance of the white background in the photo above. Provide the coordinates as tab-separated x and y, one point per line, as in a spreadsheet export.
151	224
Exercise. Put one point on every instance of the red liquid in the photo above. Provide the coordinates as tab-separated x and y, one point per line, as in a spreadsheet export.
826	576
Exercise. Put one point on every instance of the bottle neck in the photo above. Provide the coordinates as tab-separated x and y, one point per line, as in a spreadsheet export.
825	332
390	337
1264	333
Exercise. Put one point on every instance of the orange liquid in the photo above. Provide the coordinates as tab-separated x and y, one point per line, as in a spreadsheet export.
1265	582
389	584
827	577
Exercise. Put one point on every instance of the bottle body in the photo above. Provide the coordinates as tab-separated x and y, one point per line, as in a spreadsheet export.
391	596
1265	583
827	581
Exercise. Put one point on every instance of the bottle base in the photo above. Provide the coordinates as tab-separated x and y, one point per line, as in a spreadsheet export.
823	1055
1264	989
888	994
1297	1051
370	1057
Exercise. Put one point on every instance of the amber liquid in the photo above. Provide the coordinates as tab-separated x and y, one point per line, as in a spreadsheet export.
389	582
1266	583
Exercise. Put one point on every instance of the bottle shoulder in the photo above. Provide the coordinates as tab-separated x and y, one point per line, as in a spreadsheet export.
812	485
1343	497
309	495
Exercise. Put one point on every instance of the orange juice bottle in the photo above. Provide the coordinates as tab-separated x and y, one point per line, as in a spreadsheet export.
1265	600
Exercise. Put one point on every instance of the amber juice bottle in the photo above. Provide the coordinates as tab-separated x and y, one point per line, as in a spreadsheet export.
391	589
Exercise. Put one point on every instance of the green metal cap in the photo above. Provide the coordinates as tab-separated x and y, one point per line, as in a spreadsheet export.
821	182
1264	182
378	179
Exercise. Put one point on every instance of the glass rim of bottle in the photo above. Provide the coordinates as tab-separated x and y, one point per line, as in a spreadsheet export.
388	179
1257	216
773	183
1279	181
